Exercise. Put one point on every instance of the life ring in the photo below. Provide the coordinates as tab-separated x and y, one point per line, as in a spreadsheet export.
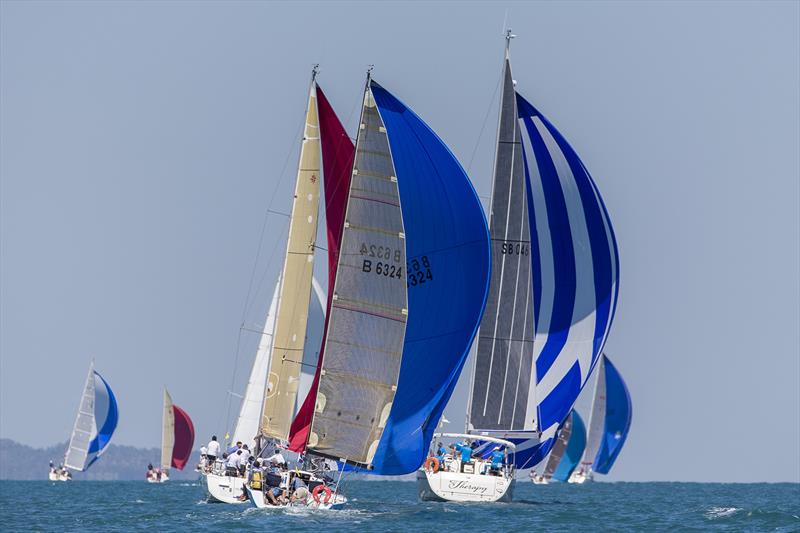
432	464
321	488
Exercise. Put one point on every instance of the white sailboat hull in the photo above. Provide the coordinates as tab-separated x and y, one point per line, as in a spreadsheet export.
336	502
460	487
579	478
224	489
55	476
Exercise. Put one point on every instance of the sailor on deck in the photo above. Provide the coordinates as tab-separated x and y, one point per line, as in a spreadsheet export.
276	457
213	450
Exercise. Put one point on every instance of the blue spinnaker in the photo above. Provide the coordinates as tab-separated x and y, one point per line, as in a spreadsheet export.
106	416
617	422
448	266
572	455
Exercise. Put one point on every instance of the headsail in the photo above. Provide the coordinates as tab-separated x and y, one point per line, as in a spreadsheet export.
338	152
404	174
94	425
572	454
611	418
295	288
563	301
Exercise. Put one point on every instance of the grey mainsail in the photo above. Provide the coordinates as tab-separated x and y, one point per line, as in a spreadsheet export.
364	345
503	365
558	448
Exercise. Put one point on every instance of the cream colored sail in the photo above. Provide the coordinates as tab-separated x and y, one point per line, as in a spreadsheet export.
295	289
167	433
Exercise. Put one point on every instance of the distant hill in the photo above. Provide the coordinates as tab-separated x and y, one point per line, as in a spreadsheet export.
18	461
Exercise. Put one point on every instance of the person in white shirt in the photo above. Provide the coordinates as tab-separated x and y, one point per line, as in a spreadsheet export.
276	458
213	450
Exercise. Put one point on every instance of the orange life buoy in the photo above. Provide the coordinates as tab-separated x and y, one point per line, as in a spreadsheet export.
432	463
321	488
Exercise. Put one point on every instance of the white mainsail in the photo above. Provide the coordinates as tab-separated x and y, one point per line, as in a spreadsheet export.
84	428
95	424
597	417
247	424
167	432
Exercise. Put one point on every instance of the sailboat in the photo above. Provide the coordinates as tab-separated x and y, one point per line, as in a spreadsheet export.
566	452
551	302
609	423
410	281
94	425
177	439
284	368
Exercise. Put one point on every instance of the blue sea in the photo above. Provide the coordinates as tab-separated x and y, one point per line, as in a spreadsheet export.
388	506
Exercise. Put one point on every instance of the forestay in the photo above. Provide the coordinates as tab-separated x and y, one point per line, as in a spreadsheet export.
94	425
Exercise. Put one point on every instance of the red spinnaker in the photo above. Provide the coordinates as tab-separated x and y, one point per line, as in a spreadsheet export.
184	438
338	152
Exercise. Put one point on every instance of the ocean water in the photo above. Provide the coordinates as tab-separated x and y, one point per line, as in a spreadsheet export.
389	506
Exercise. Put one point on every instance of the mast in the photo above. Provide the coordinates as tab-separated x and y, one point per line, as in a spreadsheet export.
295	287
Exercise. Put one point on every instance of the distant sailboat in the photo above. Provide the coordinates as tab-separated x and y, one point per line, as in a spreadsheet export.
551	302
177	439
609	423
94	425
566	452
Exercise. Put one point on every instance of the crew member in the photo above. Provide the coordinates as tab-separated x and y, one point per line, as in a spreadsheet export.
213	450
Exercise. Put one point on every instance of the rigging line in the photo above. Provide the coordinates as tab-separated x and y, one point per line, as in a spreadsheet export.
485	120
246	306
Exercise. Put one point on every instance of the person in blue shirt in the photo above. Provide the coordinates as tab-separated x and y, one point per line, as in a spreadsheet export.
498	457
440	453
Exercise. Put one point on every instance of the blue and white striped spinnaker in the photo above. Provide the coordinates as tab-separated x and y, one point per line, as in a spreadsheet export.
554	286
94	425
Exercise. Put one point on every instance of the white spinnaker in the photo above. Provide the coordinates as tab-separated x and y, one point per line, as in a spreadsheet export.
247	425
167	432
85	427
598	416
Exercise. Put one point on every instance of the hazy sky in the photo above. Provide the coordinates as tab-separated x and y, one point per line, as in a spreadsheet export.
142	143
